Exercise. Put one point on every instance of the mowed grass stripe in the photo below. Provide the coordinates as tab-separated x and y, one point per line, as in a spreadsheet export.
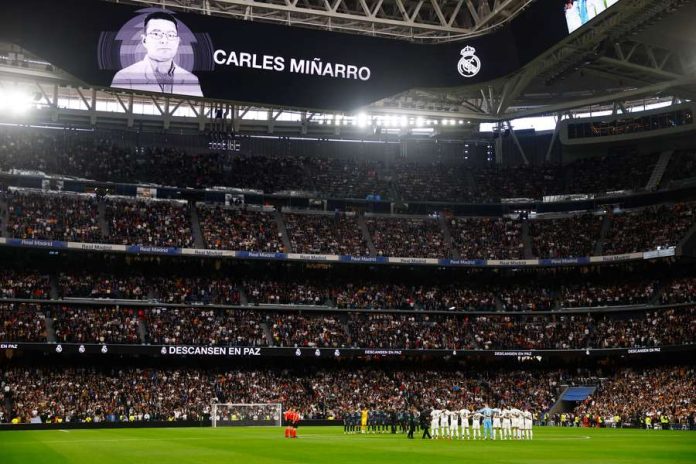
330	445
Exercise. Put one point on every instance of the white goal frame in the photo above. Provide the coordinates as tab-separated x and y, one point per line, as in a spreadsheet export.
275	408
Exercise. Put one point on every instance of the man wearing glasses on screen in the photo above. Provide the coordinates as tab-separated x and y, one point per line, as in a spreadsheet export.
157	72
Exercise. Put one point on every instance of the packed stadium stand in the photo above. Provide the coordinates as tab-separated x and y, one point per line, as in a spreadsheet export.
500	239
105	299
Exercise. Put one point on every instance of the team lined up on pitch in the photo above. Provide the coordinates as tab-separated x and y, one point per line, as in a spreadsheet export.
482	424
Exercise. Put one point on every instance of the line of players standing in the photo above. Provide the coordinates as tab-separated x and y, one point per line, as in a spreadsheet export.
485	423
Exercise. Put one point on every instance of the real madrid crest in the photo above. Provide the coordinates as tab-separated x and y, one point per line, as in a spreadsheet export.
469	64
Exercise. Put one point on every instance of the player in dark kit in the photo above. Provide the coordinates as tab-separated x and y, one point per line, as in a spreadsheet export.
403	421
425	424
355	422
411	424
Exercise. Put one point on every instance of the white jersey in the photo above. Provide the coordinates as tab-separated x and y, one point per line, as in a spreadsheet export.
453	417
506	418
496	418
464	417
444	418
527	420
476	420
515	418
435	416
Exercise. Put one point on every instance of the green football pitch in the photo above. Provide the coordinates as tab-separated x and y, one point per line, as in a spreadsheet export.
330	445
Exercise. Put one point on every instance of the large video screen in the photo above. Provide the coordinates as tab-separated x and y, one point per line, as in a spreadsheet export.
157	50
579	12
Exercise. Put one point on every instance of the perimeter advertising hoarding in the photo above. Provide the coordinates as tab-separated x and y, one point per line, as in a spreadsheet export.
110	45
309	353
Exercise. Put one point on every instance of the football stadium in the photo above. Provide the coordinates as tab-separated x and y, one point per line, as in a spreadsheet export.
347	231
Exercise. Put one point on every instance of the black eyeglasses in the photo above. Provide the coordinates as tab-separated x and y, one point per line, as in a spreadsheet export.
159	35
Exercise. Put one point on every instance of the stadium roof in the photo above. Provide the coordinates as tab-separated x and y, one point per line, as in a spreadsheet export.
637	49
415	20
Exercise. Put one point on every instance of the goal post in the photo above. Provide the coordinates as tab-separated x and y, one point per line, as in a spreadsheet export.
246	414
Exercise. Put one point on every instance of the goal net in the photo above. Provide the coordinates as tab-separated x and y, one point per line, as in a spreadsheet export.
246	414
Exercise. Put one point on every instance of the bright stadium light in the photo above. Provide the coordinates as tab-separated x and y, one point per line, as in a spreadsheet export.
362	120
15	101
419	121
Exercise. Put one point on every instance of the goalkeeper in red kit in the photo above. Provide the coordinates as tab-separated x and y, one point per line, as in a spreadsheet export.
292	419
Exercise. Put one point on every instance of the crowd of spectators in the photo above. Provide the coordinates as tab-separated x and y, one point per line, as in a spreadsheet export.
654	328
196	326
168	223
149	222
108	324
414	297
408	237
432	181
526	298
649	228
492	183
607	294
322	331
634	395
396	331
72	218
207	326
593	290
108	158
135	395
337	234
565	238
622	171
348	178
102	285
21	322
646	329
90	395
195	290
283	292
236	229
679	290
30	285
486	238
149	394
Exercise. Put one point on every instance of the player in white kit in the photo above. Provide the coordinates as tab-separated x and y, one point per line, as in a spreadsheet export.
444	424
528	419
515	419
496	423
507	427
454	424
476	424
464	423
435	422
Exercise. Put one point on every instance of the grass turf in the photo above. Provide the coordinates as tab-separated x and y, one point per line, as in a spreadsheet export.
329	445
